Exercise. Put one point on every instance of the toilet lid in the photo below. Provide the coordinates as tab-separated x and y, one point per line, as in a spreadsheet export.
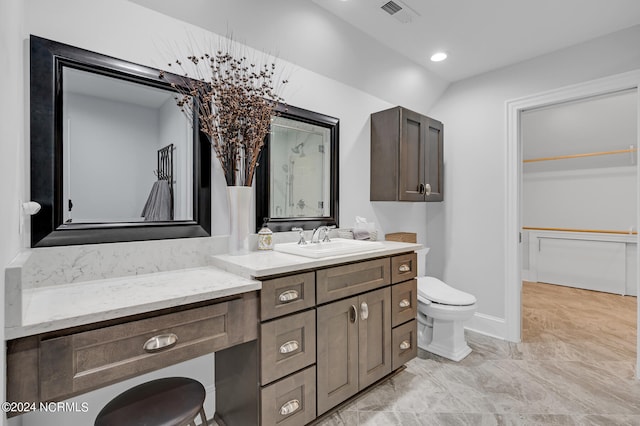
433	289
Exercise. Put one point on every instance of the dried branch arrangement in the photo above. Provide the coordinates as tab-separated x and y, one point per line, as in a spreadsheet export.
236	98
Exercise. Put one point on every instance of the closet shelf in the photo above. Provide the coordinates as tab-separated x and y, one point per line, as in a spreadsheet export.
594	231
587	154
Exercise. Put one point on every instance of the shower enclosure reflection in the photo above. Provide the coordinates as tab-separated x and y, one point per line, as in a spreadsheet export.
300	163
297	181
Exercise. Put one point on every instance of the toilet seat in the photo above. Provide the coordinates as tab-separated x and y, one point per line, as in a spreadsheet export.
432	290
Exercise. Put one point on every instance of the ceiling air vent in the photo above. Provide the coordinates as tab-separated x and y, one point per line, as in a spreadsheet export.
400	11
391	7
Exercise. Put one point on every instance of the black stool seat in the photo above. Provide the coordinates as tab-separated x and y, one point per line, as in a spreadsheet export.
173	401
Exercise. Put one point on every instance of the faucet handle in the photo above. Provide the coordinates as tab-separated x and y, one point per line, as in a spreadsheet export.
326	233
301	241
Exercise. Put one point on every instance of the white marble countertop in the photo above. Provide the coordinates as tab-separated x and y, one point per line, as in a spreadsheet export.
61	306
44	309
258	264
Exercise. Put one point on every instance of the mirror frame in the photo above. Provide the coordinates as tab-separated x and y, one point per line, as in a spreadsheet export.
263	177
47	58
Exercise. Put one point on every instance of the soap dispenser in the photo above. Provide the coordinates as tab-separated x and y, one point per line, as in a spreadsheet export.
265	237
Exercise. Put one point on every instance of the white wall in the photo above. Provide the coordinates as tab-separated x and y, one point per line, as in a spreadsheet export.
12	132
308	35
603	198
111	165
467	231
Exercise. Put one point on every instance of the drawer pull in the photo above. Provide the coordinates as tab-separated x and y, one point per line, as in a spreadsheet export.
160	342
288	296
404	268
290	407
404	303
405	345
290	346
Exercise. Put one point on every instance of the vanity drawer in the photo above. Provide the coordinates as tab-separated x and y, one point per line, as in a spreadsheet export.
404	302
86	360
404	344
287	345
404	267
343	281
285	295
290	401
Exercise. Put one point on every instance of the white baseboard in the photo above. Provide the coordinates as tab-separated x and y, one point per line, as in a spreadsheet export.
488	325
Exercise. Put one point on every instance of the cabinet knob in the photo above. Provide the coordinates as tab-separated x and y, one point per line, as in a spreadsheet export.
427	189
290	346
405	345
290	407
421	188
364	311
404	268
288	296
160	342
404	303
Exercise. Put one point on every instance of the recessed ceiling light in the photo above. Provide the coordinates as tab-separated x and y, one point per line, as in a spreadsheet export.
439	56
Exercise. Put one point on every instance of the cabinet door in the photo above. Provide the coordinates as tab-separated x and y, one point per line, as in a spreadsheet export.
337	349
374	335
413	131
434	160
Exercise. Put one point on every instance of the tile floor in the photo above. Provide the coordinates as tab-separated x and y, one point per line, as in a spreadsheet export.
576	366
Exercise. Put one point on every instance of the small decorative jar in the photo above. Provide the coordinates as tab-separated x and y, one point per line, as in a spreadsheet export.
265	237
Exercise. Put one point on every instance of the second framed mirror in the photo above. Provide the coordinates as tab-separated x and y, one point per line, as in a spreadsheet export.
297	180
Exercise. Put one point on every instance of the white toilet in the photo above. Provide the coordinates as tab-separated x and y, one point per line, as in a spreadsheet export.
442	311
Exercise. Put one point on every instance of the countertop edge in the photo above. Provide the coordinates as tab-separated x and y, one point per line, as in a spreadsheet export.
119	310
283	263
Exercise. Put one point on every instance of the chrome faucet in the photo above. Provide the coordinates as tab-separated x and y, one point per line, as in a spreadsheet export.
301	241
316	234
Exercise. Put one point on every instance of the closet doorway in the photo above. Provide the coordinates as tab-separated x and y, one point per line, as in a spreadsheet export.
579	225
514	256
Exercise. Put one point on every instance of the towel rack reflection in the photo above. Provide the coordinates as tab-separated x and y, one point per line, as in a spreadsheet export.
165	169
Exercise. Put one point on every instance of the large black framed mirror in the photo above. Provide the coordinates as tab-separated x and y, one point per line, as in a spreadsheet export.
297	181
112	157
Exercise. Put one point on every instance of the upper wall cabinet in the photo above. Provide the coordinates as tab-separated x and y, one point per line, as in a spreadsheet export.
406	156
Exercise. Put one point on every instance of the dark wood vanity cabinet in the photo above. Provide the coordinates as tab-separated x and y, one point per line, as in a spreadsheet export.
305	344
354	346
327	334
406	156
60	364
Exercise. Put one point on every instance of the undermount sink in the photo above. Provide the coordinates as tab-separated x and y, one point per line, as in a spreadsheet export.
335	247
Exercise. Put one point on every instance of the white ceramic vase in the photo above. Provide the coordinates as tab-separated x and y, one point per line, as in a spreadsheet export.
239	199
